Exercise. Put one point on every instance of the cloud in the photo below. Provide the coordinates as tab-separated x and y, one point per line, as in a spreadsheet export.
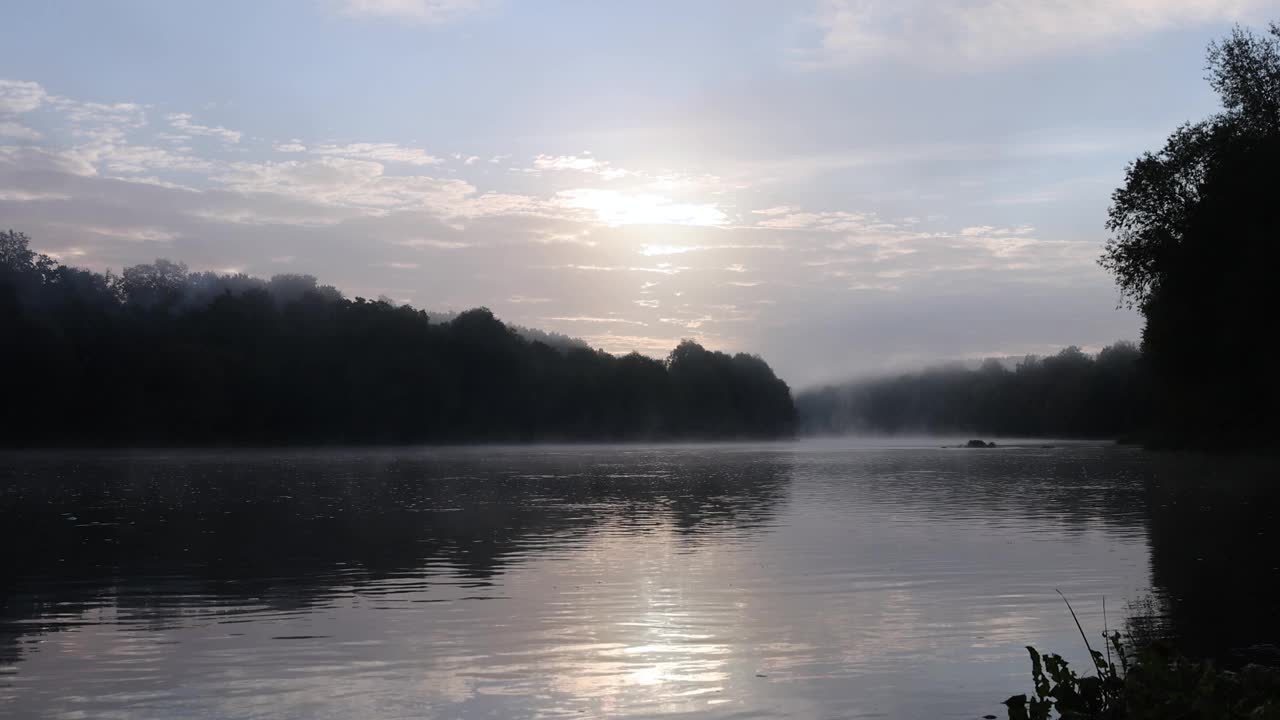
40	160
428	12
108	151
126	158
652	250
96	119
661	269
182	121
966	33
350	176
689	323
983	230
19	96
345	182
133	234
581	163
428	242
14	130
1015	248
102	131
873	285
613	207
579	237
591	319
7	195
622	344
381	152
828	221
67	255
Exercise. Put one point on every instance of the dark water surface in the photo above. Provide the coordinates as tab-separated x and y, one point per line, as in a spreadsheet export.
810	580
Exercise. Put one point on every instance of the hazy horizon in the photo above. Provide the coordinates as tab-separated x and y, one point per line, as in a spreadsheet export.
811	182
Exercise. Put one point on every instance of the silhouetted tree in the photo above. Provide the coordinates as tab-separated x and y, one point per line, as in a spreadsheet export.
1196	228
160	284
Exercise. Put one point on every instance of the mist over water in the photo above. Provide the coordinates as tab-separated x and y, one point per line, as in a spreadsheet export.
816	579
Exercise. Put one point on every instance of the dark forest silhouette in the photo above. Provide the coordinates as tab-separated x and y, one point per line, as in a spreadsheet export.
161	355
1070	394
1195	247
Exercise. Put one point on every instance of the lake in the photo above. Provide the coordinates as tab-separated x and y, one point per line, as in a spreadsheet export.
816	579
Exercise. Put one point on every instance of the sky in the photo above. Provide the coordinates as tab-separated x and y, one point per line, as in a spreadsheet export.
843	187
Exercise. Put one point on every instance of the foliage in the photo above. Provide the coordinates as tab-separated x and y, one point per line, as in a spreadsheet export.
1058	688
160	354
1194	247
1156	685
1070	394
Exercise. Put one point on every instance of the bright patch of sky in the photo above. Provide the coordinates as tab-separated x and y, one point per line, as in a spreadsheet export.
842	186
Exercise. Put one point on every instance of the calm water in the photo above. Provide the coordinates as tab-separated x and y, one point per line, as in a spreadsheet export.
810	580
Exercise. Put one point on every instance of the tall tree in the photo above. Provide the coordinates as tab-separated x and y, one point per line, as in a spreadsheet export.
1196	232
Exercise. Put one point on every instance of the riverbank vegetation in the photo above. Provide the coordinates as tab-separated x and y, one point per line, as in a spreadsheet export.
1157	684
161	355
1138	676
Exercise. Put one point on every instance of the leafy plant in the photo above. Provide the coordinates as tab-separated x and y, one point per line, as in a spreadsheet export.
1058	688
1154	685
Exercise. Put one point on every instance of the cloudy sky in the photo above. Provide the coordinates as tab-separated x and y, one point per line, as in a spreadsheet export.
842	186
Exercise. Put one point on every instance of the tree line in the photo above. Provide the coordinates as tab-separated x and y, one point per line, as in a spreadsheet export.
161	355
1070	394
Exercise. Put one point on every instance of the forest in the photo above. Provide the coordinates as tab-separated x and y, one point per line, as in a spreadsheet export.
1070	394
159	355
